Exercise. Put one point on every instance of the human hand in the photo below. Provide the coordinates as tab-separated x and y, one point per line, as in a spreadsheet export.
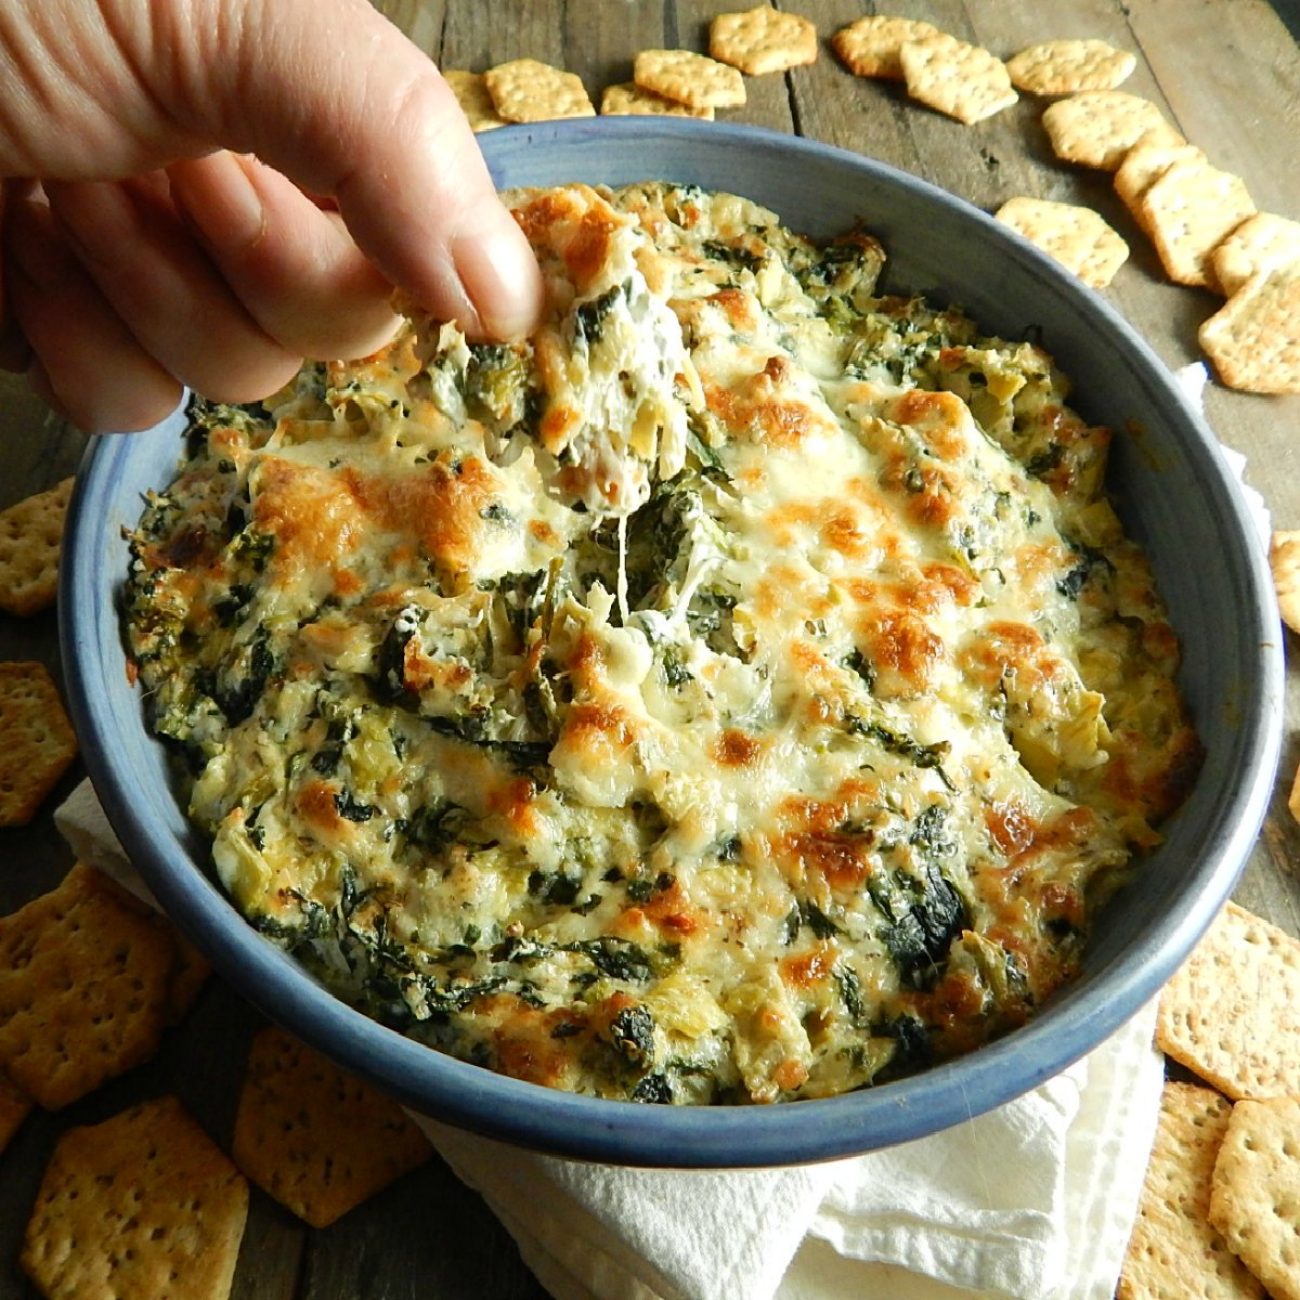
155	221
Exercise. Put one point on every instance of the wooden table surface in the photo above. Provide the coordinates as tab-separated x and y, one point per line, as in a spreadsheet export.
1226	72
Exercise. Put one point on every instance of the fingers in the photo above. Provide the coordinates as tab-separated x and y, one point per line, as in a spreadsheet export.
133	246
90	365
293	267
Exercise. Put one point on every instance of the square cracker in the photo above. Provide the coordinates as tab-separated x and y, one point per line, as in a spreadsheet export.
1284	560
15	1106
1255	1194
871	46
1259	243
627	99
1254	338
964	81
1069	66
313	1137
691	79
1187	210
1144	164
1174	1251
1076	237
31	534
39	743
527	90
144	1204
84	984
474	98
1098	127
1231	1013
763	40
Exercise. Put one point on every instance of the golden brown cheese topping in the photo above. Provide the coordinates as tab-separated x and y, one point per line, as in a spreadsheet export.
741	690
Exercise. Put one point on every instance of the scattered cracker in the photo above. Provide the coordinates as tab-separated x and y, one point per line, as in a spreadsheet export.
1255	1196
1293	799
871	46
84	982
763	40
964	81
1098	127
1188	210
629	100
1070	66
1144	164
527	90
474	98
1174	1251
14	1108
39	743
691	79
1076	237
1231	1013
1258	244
1254	338
1284	560
31	533
315	1138
145	1204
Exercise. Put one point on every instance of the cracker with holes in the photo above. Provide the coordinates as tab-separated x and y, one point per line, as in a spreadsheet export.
1143	165
1174	1250
315	1138
627	99
691	79
1076	237
1231	1013
527	90
84	987
1284	560
1255	1195
963	81
1254	338
1187	210
15	1105
1068	67
763	40
1098	127
39	743
872	46
31	534
1260	243
471	91
144	1204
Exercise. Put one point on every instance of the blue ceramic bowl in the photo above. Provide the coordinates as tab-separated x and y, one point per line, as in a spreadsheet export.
1177	498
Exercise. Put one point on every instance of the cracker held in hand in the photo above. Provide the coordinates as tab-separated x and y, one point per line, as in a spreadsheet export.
627	99
1254	338
143	1205
1255	1196
872	46
1098	127
763	40
1258	244
1231	1013
964	81
471	91
691	79
1174	1252
31	534
1187	211
14	1108
1068	67
315	1138
1076	237
38	743
84	985
526	90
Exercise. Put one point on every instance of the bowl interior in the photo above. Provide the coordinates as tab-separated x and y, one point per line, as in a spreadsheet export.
1178	499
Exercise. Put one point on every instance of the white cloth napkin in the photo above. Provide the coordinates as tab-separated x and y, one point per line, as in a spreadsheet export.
1033	1201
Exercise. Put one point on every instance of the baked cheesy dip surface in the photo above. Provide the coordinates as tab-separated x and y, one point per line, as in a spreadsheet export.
740	691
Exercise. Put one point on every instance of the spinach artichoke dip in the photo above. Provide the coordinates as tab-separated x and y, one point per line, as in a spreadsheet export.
742	690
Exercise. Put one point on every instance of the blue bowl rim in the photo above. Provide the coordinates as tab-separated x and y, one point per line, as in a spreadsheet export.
586	1128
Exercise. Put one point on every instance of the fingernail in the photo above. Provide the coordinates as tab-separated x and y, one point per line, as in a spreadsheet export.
500	274
219	195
